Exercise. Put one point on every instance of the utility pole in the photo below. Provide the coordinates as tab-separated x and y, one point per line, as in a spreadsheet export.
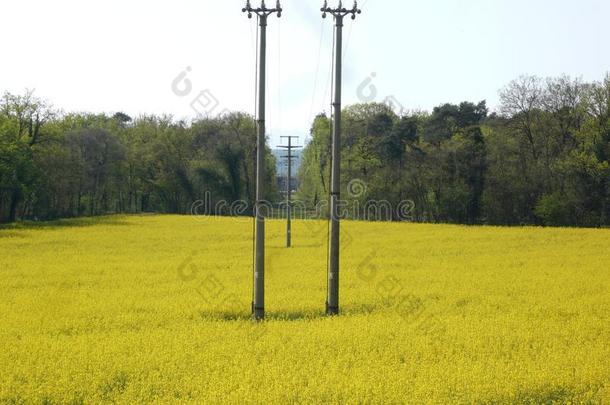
290	147
258	303
332	300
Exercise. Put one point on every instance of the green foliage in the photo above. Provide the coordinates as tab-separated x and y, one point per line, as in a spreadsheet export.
553	209
55	166
544	158
314	171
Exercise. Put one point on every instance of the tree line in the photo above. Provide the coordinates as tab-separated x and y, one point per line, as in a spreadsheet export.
56	165
542	158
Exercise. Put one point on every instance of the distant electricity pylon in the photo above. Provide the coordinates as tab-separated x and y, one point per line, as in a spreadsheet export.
332	301
258	302
289	148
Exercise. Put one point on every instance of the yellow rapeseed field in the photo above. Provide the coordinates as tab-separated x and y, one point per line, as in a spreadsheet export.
156	309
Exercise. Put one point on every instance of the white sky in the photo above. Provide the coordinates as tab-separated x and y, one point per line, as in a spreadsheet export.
111	55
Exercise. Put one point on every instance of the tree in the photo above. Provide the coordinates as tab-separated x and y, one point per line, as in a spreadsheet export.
520	104
24	118
544	159
314	174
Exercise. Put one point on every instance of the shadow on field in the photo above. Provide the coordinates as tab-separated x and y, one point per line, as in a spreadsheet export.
224	315
61	223
9	234
288	316
269	316
294	315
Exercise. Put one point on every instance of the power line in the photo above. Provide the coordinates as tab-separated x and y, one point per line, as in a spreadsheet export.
315	82
279	76
254	158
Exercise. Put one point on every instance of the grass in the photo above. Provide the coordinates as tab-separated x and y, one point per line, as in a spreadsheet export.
156	309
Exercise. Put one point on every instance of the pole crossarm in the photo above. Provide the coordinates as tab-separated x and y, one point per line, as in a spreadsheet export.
340	11
262	10
289	146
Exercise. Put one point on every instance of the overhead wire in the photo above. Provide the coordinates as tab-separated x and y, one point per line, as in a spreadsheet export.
349	33
329	151
349	36
279	75
315	82
256	124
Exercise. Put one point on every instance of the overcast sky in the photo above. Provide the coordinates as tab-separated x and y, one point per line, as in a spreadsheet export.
111	55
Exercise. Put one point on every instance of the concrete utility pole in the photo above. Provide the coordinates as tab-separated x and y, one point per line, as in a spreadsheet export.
332	300
258	304
290	147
